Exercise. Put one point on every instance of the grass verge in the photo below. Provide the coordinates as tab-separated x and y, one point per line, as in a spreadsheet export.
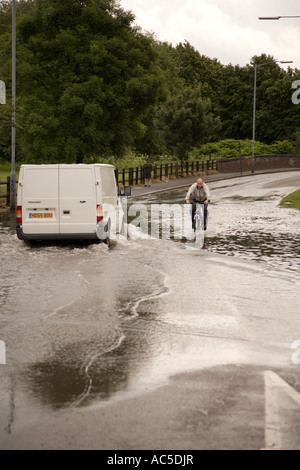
292	200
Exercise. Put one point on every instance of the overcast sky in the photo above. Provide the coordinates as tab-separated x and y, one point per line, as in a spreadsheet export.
228	30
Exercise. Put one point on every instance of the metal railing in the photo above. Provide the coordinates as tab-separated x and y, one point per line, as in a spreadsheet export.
6	194
135	176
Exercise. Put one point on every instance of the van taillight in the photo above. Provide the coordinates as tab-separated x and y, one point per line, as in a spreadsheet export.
19	215
99	213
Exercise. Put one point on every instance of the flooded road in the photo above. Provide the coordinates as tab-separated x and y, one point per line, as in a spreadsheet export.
87	327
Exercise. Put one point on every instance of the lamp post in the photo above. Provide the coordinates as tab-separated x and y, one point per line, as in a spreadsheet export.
275	17
282	62
254	106
13	128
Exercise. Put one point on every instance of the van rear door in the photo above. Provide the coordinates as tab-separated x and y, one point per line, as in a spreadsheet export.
40	206
77	194
108	194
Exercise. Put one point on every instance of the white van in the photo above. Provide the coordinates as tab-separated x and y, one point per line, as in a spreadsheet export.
68	202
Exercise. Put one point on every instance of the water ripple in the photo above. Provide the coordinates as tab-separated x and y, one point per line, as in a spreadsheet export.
281	250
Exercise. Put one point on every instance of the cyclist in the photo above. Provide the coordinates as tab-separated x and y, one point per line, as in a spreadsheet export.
198	193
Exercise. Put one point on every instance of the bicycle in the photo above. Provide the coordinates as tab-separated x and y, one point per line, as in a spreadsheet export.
198	222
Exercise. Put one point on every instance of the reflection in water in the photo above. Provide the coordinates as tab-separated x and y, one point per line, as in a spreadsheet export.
282	250
64	380
88	366
102	358
77	375
260	239
12	405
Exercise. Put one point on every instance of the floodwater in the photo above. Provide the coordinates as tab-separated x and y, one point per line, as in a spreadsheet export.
84	324
246	222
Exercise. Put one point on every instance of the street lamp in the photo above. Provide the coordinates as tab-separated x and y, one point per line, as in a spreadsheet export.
275	17
254	106
13	128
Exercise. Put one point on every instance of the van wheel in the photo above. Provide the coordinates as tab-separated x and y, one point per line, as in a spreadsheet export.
107	239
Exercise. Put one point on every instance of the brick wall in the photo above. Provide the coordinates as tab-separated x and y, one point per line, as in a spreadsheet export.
262	162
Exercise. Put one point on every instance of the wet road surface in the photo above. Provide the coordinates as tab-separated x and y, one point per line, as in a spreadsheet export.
153	343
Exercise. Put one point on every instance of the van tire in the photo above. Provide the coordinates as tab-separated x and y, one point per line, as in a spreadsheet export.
32	243
107	239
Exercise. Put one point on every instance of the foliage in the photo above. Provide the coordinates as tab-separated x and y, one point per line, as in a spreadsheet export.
129	160
4	170
87	79
187	122
230	148
91	86
297	142
195	69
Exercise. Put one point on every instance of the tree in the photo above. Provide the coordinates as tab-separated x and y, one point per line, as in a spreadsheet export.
192	82
187	121
90	84
276	117
235	102
87	78
196	69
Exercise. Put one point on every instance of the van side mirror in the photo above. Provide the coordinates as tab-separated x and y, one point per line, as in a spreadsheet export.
125	192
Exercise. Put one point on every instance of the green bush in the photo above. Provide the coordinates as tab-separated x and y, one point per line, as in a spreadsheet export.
231	148
130	160
4	169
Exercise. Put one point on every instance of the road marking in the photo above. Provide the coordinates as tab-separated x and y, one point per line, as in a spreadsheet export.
2	353
282	414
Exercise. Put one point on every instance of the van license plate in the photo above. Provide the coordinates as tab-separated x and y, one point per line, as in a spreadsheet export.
41	215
